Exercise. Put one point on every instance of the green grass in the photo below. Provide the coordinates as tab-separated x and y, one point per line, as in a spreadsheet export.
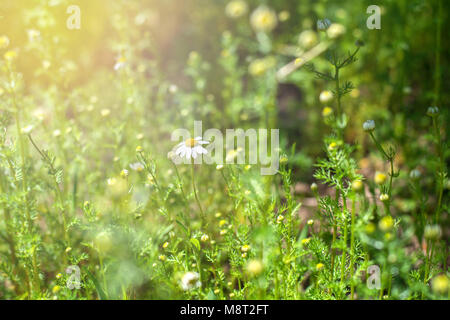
86	179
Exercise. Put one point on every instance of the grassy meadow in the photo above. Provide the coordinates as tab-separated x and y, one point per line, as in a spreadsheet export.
95	204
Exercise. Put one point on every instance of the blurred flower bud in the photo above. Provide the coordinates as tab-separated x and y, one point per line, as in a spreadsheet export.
440	284
103	241
415	174
335	30
326	96
359	43
386	223
4	42
254	267
433	111
263	19
236	8
369	125
380	178
432	232
326	112
357	185
307	39
323	25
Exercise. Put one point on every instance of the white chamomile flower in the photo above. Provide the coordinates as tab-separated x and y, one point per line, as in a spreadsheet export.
191	148
27	129
173	88
137	166
56	133
120	63
190	280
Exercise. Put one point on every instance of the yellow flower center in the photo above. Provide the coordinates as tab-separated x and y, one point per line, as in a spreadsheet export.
190	143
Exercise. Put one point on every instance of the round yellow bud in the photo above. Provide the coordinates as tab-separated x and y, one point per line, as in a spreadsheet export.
380	178
307	39
56	289
370	228
386	223
440	284
332	146
263	19
306	241
10	55
284	15
326	112
236	8
4	42
357	185
254	267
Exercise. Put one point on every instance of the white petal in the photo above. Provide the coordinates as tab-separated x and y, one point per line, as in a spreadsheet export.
179	150
188	153
198	138
202	150
194	153
202	142
198	149
183	152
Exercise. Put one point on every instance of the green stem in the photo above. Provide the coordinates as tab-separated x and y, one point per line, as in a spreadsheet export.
441	169
24	180
338	95
57	190
195	193
105	286
427	264
391	176
352	249
180	182
379	147
344	251
437	64
11	242
333	251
